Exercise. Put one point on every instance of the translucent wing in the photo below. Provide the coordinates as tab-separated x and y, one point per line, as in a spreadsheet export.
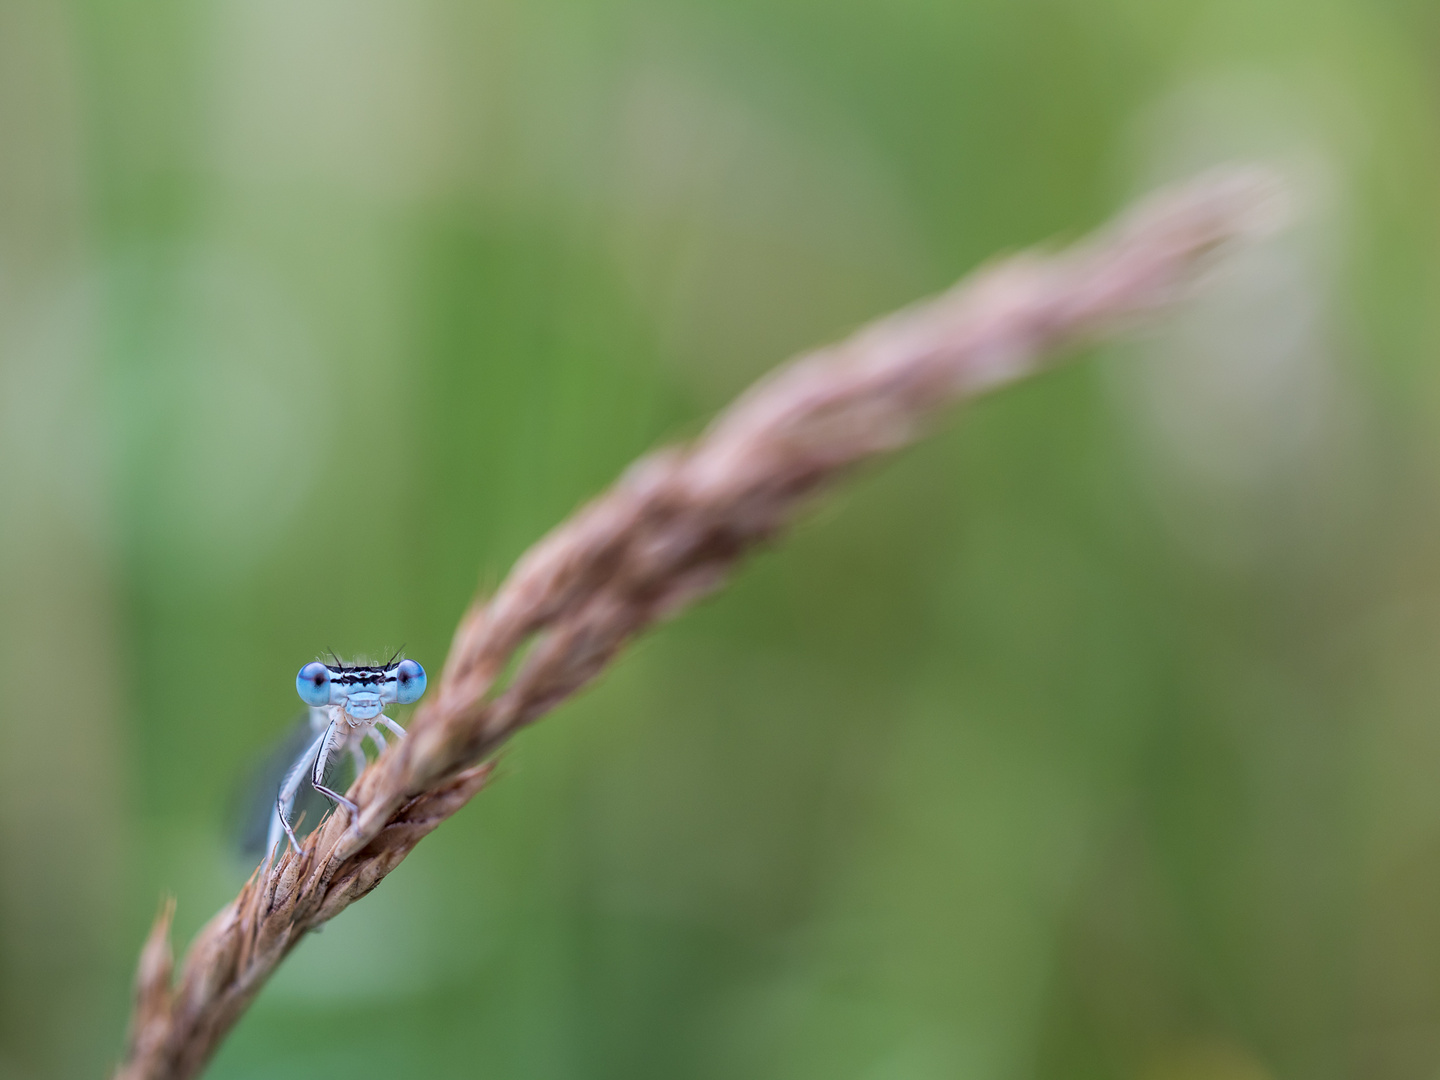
254	803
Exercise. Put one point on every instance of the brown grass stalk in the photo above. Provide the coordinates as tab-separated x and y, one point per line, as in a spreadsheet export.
667	533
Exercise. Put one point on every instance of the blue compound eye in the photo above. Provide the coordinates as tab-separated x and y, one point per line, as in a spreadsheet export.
313	684
409	681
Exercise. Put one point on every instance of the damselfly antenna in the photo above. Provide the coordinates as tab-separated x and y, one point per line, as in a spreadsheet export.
347	702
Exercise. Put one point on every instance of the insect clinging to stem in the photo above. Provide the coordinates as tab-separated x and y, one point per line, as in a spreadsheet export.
347	703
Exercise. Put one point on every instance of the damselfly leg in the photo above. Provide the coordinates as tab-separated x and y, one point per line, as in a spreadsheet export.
285	798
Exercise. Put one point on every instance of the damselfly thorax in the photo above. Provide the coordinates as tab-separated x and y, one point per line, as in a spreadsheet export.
347	703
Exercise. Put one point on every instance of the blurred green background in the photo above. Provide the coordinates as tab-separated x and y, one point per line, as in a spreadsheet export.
1097	737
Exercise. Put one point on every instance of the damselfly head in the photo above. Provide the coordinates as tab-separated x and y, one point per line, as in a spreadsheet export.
361	690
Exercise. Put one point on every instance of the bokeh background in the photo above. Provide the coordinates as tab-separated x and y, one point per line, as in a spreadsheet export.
1097	737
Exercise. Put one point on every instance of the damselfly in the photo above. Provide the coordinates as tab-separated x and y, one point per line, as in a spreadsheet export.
347	703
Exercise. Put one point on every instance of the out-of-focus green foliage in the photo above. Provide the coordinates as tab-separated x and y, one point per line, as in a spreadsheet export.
1098	737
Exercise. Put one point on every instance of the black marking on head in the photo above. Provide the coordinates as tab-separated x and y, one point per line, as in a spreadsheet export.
356	673
343	674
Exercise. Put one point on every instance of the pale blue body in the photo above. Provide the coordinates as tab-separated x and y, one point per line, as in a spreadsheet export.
347	702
